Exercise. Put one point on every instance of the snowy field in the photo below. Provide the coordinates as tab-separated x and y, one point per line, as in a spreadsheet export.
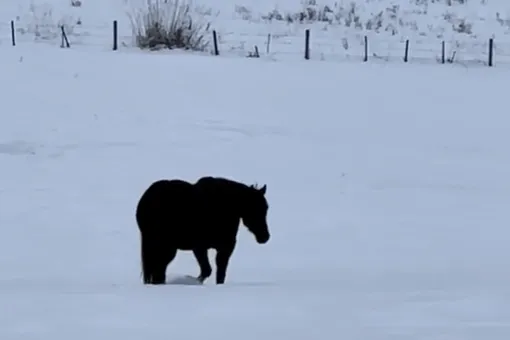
388	195
387	183
338	27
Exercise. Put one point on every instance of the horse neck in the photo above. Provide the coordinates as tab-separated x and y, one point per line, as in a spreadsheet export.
237	193
241	195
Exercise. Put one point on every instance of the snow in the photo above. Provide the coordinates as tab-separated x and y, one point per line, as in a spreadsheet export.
242	24
387	185
388	201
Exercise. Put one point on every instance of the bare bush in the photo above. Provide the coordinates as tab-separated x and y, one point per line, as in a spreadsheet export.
42	22
172	24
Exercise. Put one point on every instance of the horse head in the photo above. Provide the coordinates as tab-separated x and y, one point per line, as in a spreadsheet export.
254	213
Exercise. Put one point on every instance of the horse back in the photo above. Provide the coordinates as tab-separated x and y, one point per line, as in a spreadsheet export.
218	196
165	200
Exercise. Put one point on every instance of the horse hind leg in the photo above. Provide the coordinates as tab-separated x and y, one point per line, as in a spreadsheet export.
155	258
147	255
159	274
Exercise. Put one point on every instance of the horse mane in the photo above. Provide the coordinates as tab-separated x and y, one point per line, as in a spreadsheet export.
255	186
234	182
239	186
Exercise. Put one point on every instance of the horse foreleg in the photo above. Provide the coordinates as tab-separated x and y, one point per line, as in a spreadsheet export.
222	258
203	262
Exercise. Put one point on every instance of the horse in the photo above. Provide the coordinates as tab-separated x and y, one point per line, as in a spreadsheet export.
173	214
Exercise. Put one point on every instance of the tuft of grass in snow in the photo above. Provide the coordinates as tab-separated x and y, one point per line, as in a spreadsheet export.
421	17
172	24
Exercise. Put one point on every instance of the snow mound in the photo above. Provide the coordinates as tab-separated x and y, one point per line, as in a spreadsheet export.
183	280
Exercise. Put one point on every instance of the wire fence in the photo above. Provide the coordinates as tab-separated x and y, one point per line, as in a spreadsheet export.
284	44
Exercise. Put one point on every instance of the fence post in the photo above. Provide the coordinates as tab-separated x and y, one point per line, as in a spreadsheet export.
215	42
65	41
491	51
365	59
13	34
443	52
406	53
115	35
307	44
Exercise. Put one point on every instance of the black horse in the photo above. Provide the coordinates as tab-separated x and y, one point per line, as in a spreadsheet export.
177	215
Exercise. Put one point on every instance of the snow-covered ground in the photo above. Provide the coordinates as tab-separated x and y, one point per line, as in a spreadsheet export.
388	194
338	35
387	183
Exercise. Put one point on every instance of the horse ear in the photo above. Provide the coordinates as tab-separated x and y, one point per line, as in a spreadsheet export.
263	189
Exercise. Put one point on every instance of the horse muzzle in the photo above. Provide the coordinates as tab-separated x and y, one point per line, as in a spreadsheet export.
263	238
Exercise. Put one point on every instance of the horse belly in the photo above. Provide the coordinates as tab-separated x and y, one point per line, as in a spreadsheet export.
185	239
191	236
183	231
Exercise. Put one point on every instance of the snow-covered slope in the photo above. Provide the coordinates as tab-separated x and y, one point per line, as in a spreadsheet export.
338	27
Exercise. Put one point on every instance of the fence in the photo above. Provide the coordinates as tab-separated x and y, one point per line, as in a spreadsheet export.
405	51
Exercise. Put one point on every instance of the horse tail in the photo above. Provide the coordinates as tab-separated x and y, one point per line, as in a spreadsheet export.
148	257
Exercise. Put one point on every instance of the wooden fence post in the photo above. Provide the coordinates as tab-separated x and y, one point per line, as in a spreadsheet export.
13	34
443	52
307	44
65	41
406	53
365	59
215	42
491	52
115	35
